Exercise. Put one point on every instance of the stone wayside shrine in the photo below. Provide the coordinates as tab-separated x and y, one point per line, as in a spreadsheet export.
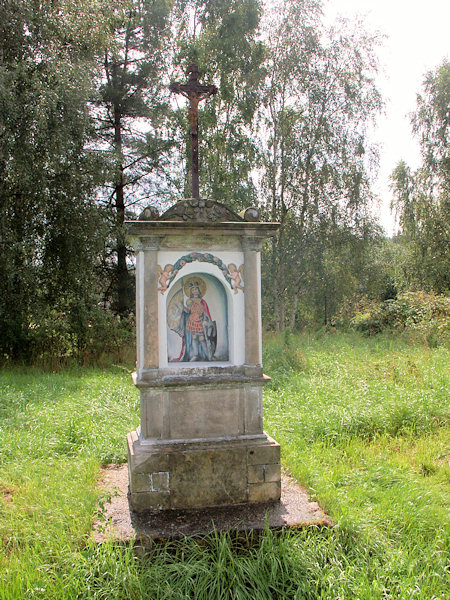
199	367
200	459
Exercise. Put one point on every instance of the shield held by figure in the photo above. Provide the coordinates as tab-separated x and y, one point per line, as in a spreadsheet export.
210	333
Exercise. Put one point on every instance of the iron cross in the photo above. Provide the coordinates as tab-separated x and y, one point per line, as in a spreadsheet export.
195	92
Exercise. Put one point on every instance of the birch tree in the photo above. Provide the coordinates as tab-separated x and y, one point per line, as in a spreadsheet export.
421	198
320	97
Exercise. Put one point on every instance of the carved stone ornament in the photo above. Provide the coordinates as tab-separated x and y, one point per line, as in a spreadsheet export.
250	214
198	210
150	213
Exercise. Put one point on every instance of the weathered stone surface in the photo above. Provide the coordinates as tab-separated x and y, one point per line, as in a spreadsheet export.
149	501
140	482
264	492
160	481
250	214
209	473
200	210
264	454
272	472
209	377
252	308
208	478
201	441
201	413
154	420
150	482
150	213
145	462
148	323
209	234
253	410
201	240
256	473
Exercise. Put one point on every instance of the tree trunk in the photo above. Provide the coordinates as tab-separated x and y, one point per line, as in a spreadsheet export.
293	311
121	249
282	309
122	269
275	287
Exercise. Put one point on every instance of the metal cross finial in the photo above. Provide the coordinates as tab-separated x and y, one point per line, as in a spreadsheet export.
195	92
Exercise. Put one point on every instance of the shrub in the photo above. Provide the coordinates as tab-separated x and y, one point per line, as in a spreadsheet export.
419	315
87	336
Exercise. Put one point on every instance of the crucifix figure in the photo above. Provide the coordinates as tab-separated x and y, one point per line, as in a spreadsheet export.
195	92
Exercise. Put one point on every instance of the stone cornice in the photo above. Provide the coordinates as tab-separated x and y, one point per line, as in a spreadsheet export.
172	378
158	229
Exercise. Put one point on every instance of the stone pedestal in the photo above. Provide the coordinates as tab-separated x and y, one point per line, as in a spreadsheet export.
201	440
202	445
197	474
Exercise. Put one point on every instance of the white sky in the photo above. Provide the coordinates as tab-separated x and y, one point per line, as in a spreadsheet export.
418	39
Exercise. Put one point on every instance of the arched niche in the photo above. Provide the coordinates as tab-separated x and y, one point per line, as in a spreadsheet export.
197	320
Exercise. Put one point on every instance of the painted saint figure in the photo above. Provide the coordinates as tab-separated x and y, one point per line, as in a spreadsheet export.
194	323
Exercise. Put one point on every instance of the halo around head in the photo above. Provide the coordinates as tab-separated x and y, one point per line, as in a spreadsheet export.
192	281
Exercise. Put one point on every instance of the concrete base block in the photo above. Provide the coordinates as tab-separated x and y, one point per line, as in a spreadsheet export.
120	523
201	473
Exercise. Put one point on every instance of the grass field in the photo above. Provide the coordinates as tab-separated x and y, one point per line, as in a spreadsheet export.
363	424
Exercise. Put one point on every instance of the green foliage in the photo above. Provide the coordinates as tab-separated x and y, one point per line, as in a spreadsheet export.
86	120
50	227
337	261
130	113
319	96
366	428
421	198
431	121
358	387
87	335
282	353
416	315
88	130
80	413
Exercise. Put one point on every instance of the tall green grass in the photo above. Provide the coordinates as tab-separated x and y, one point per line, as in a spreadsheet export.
56	429
362	422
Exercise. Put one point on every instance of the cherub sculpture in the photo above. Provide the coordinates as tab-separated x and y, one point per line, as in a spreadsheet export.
164	277
236	276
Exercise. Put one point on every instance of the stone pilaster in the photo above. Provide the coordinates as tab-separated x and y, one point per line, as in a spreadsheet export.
252	293
147	304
